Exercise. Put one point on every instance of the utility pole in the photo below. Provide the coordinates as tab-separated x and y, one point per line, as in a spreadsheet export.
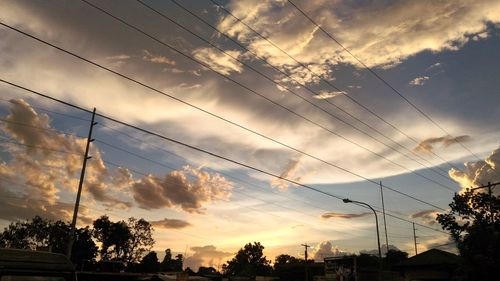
80	185
415	238
490	194
385	224
491	203
346	200
305	259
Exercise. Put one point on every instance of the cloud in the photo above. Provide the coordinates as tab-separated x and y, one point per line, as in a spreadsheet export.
219	61
328	95
188	189
330	215
419	81
433	66
119	57
289	172
480	172
147	56
170	223
47	163
427	145
326	249
381	34
427	216
205	256
383	250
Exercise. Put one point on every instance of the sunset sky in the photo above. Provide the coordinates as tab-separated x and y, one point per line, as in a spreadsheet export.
272	90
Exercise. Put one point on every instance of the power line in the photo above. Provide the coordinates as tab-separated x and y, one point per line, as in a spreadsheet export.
51	130
383	80
259	94
200	109
328	82
123	123
50	111
7	140
263	59
306	100
175	183
220	172
239	192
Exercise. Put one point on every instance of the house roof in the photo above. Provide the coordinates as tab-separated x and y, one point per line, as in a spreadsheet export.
433	257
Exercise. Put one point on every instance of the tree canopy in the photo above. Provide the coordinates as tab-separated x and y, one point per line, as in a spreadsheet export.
149	263
474	225
126	241
285	259
249	261
123	241
170	264
39	233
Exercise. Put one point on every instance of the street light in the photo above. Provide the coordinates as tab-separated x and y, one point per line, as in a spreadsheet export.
347	200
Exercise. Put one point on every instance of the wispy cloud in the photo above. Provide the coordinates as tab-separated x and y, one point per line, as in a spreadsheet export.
433	66
420	27
147	56
323	95
427	216
219	61
170	223
289	172
419	81
333	215
427	145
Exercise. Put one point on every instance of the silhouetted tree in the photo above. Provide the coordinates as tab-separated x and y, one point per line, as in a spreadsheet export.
395	256
202	270
113	236
149	263
189	271
39	233
124	241
285	259
169	264
249	261
367	260
141	239
474	225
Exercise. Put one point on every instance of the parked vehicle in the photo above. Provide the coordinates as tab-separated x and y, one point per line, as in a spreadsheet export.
26	265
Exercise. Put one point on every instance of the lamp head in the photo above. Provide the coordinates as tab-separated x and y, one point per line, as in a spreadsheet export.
347	200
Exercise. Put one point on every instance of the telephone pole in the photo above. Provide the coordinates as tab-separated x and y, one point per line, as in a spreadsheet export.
415	238
490	195
385	224
305	260
86	157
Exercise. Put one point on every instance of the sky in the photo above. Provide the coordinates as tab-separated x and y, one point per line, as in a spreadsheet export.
256	82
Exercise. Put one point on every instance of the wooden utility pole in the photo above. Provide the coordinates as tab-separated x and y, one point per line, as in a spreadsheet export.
86	157
415	238
305	260
385	224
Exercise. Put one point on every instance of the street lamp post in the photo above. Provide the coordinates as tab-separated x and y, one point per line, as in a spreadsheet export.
346	200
